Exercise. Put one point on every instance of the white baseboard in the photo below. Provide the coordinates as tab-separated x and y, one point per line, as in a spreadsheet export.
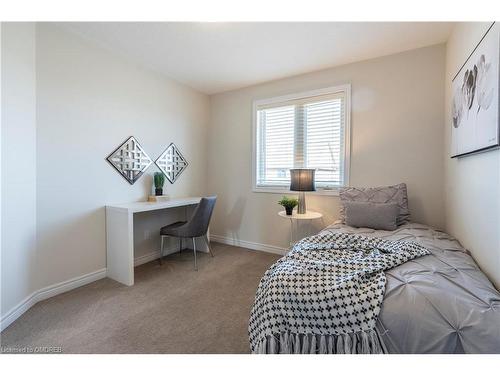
249	245
146	258
48	292
155	254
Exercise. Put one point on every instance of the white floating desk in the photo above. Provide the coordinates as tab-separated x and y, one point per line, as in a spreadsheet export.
120	234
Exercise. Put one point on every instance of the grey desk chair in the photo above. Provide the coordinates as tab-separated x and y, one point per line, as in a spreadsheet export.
197	226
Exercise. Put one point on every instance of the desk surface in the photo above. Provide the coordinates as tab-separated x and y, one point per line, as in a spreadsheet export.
151	206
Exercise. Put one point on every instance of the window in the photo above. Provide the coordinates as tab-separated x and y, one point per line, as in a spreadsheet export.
307	130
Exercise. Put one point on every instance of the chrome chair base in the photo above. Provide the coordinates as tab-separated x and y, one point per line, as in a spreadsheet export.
205	238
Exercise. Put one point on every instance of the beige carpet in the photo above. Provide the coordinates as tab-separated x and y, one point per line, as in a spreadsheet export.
170	309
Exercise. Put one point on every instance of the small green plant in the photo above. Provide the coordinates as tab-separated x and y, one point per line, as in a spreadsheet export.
159	179
289	203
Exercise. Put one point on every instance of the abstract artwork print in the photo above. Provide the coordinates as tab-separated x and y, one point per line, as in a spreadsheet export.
475	98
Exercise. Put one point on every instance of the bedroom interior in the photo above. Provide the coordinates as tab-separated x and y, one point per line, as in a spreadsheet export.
168	190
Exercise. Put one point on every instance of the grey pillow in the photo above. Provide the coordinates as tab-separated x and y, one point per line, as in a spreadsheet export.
385	194
371	215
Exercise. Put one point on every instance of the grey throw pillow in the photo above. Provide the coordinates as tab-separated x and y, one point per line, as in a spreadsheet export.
384	194
371	215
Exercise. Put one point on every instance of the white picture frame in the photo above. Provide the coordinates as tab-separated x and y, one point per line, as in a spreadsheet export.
475	98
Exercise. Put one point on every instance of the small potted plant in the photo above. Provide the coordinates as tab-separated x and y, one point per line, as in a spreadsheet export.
289	204
159	180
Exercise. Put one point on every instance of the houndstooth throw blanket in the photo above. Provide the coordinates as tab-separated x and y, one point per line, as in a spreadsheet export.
325	295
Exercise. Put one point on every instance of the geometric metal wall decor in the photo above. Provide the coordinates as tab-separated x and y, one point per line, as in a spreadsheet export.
130	160
171	163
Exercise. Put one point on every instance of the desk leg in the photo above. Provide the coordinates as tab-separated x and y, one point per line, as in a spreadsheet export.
120	245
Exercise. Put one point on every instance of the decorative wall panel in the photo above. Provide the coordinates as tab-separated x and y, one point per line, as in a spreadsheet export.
171	163
130	160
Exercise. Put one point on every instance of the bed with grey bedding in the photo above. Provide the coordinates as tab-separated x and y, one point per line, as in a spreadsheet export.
400	288
437	303
366	291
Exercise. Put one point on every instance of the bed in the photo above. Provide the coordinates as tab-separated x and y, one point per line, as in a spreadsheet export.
438	303
436	300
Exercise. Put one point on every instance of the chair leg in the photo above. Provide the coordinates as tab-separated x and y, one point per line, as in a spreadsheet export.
194	250
205	237
161	249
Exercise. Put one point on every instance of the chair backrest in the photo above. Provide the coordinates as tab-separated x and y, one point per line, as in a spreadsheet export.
198	224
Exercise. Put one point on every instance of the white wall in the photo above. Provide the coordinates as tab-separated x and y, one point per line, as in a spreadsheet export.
88	101
397	117
472	183
67	106
18	246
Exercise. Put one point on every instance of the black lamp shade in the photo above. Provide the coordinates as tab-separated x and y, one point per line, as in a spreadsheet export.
302	179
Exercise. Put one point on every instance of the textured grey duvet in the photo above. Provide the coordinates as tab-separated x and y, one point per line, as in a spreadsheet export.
439	303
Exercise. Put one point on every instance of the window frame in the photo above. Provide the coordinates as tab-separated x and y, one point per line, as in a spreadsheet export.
346	89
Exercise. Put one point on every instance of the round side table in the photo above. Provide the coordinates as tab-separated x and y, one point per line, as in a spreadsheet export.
295	217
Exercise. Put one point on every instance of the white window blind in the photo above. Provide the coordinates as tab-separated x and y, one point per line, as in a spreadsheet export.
305	132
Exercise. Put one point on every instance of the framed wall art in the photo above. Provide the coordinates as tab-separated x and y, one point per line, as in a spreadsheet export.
475	95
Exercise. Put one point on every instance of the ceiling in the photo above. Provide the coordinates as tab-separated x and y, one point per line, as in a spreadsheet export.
214	57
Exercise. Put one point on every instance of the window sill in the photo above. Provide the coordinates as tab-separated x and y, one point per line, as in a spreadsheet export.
329	192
